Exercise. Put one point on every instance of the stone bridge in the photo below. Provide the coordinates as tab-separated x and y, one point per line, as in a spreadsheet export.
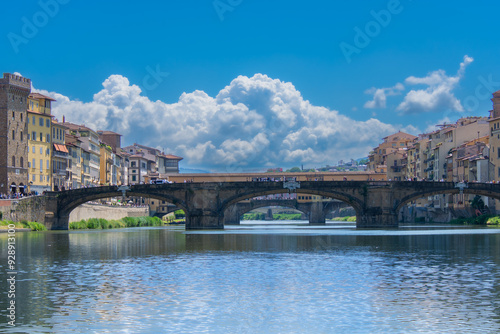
376	203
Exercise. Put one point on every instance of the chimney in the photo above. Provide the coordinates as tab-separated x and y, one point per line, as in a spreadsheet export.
64	119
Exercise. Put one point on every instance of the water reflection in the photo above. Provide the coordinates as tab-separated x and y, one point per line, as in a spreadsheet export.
245	279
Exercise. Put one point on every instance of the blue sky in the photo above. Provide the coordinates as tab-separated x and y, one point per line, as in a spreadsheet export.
238	85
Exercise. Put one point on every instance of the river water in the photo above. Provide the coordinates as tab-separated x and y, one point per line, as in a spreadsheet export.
256	278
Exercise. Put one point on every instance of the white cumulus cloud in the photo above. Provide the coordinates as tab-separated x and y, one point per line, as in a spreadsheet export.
254	122
380	96
438	96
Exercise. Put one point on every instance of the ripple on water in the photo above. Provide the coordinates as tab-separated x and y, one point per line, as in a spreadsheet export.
253	282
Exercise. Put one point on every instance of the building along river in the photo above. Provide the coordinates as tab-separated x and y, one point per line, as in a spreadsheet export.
256	278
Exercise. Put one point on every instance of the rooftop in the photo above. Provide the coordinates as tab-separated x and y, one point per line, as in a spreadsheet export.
40	96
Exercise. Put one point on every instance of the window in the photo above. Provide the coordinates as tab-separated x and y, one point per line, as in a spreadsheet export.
21	136
13	161
134	178
33	120
48	164
143	165
41	178
132	164
47	123
47	151
41	136
41	121
33	165
33	178
21	117
33	135
498	152
28	136
41	150
48	138
41	165
29	164
13	115
13	135
21	162
54	133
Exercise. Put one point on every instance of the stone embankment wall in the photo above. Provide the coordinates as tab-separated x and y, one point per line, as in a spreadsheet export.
109	212
28	208
33	209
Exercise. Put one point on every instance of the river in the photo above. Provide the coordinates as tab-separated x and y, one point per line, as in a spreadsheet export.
256	278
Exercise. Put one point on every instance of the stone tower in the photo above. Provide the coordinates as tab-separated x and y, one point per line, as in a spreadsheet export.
14	91
495	113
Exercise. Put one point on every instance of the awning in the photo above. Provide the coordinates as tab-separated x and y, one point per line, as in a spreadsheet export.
61	148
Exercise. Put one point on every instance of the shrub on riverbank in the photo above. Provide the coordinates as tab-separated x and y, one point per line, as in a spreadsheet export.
34	226
254	216
276	216
345	219
5	223
493	221
480	220
287	216
100	223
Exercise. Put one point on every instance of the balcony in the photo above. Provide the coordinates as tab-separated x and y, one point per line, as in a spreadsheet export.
396	169
58	154
59	172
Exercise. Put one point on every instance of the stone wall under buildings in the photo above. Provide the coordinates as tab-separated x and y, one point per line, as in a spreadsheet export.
33	209
28	208
109	212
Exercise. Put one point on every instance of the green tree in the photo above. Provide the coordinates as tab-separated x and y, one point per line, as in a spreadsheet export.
294	170
477	203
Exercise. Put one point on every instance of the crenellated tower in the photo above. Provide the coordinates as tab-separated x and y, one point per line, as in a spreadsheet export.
14	92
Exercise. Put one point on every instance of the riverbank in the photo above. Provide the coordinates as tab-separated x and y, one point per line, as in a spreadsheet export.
101	223
23	226
276	216
344	219
479	220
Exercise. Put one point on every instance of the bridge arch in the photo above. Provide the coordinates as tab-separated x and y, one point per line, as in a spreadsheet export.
431	192
233	213
68	200
351	200
316	211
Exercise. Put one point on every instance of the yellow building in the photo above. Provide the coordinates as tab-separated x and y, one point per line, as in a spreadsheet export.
377	157
39	142
106	165
60	157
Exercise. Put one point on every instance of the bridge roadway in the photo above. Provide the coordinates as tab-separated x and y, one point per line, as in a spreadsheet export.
376	202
